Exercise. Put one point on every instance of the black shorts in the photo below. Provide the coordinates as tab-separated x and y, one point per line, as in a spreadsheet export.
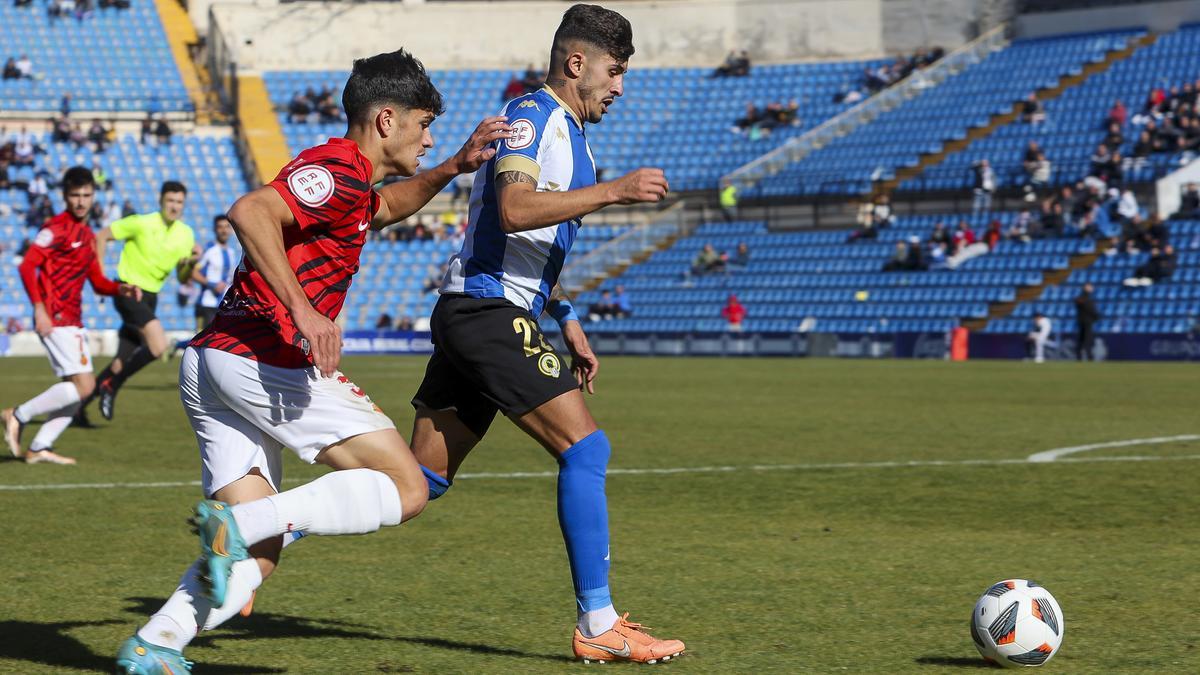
489	355
137	313
205	315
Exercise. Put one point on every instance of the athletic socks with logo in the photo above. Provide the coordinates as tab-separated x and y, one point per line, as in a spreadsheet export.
176	624
583	518
355	501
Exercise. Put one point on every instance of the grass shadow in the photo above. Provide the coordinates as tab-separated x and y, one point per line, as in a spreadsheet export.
955	662
49	644
475	648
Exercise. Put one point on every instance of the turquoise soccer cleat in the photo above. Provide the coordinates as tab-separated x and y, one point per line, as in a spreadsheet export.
138	657
221	545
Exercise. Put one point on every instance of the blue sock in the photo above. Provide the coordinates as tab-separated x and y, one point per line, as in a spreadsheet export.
583	517
437	484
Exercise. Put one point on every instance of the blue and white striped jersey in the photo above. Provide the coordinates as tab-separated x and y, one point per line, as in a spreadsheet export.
217	263
548	143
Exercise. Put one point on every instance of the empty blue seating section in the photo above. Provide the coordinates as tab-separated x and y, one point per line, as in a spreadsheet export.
815	281
208	166
1075	122
678	119
1169	306
114	61
897	138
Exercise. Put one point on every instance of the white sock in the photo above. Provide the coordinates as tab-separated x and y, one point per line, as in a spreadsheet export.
597	621
53	428
55	398
355	501
176	624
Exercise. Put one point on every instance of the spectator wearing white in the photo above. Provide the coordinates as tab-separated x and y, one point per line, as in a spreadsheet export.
1032	111
1039	337
984	186
966	246
1127	206
25	67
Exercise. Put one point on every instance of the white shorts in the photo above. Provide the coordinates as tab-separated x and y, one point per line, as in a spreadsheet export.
68	350
244	412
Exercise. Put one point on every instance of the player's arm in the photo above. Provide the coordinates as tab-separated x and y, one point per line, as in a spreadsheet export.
105	286
29	269
584	363
258	220
523	208
122	228
200	276
400	200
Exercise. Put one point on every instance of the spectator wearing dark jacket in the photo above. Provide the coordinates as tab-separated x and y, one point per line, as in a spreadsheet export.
1189	201
1161	266
1086	316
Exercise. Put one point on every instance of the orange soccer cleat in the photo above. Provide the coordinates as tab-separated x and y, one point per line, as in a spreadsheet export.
626	641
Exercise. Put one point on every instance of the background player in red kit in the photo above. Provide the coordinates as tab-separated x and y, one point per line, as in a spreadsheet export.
263	376
61	258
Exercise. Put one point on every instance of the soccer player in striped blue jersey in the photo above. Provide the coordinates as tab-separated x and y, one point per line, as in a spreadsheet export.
489	353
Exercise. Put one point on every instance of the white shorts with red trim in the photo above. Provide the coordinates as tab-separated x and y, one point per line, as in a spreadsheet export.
244	412
68	350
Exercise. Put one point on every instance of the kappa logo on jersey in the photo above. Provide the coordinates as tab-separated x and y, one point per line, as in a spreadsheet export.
529	104
523	134
44	238
311	184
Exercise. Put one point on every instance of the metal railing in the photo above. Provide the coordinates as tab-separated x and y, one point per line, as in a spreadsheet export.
622	250
798	148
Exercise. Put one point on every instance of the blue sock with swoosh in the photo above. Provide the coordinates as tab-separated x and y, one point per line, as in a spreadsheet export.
583	517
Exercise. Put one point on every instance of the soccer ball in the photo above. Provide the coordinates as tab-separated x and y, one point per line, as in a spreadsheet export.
1017	623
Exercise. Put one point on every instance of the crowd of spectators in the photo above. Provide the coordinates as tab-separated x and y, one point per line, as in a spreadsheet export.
311	106
20	68
610	305
876	79
1169	120
758	122
873	216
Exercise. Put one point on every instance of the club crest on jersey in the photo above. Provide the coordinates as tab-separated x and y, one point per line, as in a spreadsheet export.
549	365
311	184
44	238
523	134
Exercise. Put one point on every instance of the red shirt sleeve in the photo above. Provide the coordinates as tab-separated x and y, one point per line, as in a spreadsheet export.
102	284
35	257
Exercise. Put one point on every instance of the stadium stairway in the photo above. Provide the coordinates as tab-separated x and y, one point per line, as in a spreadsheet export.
1001	119
180	34
1054	277
260	127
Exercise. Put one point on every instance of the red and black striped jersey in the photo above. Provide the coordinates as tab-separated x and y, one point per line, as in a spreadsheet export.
328	189
62	256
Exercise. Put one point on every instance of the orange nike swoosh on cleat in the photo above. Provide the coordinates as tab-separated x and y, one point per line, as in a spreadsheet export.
218	544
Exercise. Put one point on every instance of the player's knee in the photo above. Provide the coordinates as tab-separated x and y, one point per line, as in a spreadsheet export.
414	492
266	553
438	484
85	388
590	454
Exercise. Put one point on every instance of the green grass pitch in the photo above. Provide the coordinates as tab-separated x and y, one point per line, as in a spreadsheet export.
867	566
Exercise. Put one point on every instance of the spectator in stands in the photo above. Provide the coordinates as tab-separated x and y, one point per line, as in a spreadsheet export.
162	132
1189	202
1032	111
78	138
1114	138
101	178
405	323
433	278
734	312
603	308
147	131
97	135
1161	266
512	90
11	72
299	108
22	3
1021	228
966	246
940	235
40	210
899	259
1142	148
993	235
749	120
983	187
790	115
740	258
1086	316
622	303
1037	171
25	67
1035	340
1101	162
533	79
54	11
128	209
707	261
1117	114
5	183
24	150
111	214
329	109
1127	206
384	322
728	199
737	64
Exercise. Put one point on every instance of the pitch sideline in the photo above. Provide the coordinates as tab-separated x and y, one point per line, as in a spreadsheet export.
1055	455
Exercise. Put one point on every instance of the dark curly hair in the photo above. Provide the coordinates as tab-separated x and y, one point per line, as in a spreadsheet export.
397	78
596	26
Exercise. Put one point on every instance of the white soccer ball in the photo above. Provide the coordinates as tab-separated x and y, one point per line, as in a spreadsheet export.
1017	623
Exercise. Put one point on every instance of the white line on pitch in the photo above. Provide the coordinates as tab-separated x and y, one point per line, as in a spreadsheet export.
655	472
1054	454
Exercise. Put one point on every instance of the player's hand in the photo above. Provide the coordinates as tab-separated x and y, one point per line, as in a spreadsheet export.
41	322
220	287
643	185
324	340
584	363
129	291
479	149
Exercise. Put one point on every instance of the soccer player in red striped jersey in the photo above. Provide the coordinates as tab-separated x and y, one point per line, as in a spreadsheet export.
61	258
263	376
